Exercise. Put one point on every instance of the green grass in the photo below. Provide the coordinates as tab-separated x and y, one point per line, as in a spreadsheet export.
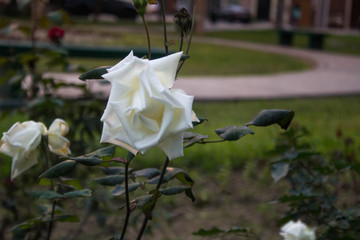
321	116
347	44
207	60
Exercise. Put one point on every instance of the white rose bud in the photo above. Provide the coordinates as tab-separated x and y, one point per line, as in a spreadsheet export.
58	144
142	110
297	231
20	143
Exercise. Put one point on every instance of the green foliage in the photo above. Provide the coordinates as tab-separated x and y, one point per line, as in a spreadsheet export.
318	186
94	73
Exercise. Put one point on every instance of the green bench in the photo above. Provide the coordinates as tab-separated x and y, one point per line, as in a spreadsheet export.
315	39
7	48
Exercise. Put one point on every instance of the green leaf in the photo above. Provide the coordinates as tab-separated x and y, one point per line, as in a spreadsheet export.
233	133
184	57
59	169
113	170
172	173
111	180
80	193
27	225
147	172
88	161
279	170
147	202
178	190
102	152
94	73
268	117
191	138
293	198
66	218
75	183
120	189
198	123
46	195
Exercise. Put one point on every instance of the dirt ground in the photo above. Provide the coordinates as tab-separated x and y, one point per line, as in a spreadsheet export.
238	203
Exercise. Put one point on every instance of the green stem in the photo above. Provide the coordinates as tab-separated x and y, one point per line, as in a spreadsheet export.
189	43
46	152
181	40
127	199
164	24
147	36
51	220
163	171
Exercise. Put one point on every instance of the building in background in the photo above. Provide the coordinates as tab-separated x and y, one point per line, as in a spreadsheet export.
344	14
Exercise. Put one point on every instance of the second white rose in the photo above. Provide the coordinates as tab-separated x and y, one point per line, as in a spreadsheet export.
143	111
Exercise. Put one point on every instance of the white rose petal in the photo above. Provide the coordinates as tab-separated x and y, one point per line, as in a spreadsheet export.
297	231
58	144
142	110
20	142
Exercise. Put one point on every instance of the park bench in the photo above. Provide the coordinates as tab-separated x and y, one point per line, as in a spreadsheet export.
14	47
315	39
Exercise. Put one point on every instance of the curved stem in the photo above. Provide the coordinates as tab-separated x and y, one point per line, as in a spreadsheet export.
164	24
163	171
127	199
147	36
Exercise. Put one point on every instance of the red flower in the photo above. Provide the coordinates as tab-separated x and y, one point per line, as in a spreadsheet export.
56	34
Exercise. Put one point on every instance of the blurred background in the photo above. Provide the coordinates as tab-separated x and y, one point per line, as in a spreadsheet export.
245	56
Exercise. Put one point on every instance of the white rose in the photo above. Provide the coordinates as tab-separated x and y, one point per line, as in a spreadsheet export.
20	143
22	140
297	231
58	144
142	110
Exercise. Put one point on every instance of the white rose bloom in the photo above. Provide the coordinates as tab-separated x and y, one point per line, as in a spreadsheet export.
142	110
20	143
58	144
297	231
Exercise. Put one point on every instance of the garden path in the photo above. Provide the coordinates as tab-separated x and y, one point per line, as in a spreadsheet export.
332	74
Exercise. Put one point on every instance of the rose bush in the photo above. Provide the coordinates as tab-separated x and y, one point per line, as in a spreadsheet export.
297	231
143	111
22	140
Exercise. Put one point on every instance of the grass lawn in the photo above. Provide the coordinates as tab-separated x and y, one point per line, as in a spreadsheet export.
346	44
323	117
207	60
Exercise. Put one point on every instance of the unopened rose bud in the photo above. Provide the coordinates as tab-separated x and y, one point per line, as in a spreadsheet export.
140	6
183	20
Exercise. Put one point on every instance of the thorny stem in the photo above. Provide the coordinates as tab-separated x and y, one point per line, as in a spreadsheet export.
147	36
128	211
164	24
163	171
